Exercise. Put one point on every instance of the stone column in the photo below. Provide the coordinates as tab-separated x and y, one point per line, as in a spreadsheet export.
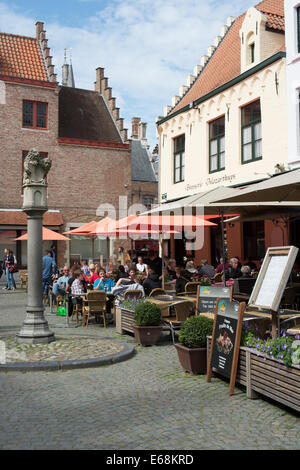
35	328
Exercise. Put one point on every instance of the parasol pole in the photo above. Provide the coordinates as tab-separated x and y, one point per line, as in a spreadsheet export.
223	245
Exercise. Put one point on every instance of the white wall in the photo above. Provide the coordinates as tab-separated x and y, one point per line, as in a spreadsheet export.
195	126
293	82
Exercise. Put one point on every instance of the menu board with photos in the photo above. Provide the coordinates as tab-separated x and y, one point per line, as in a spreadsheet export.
207	297
226	338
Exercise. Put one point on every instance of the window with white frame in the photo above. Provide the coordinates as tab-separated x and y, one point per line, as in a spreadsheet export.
179	152
251	132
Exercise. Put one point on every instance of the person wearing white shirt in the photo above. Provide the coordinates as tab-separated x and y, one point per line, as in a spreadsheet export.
141	266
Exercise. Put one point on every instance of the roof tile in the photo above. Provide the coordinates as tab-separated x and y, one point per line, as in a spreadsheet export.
21	56
225	63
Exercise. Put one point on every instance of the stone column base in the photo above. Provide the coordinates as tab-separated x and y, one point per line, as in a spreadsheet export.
35	329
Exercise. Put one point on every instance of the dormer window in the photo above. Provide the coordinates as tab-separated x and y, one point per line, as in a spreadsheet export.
250	49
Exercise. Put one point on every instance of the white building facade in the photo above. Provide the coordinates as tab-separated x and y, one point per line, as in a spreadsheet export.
234	133
292	26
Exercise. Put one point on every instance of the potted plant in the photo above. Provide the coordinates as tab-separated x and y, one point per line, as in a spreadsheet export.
147	326
192	346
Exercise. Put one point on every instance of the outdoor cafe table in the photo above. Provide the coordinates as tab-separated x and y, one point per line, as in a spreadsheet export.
165	305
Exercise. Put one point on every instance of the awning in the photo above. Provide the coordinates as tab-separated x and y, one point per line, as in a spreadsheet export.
18	217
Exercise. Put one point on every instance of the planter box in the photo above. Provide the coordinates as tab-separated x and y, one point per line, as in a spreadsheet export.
147	335
193	360
268	377
124	320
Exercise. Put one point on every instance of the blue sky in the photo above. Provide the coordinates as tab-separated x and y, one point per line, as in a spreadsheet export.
147	47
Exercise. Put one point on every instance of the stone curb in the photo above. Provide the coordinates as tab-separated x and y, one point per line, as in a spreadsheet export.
127	352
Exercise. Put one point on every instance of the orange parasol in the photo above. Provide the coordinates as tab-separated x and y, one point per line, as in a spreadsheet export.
47	235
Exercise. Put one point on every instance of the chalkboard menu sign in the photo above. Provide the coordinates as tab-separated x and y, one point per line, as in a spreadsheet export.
207	297
226	339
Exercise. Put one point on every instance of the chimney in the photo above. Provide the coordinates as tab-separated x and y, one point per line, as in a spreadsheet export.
135	121
39	27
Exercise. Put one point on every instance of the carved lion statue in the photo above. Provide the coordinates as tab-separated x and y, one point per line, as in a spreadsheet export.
36	168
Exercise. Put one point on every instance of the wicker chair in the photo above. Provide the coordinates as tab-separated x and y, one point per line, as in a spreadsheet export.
23	278
94	304
192	287
156	292
182	312
133	294
218	277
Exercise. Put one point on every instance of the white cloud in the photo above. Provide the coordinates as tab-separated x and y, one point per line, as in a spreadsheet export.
146	47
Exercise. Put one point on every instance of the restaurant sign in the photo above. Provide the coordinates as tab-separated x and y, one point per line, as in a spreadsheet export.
226	339
207	297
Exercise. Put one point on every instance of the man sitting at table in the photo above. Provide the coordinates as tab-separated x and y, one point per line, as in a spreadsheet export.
59	287
152	282
128	280
103	283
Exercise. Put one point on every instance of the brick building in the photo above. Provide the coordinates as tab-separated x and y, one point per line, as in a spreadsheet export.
144	189
80	130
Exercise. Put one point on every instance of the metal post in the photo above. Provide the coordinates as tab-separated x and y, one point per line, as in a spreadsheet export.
223	246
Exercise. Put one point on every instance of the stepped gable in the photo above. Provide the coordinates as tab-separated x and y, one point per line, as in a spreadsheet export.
225	63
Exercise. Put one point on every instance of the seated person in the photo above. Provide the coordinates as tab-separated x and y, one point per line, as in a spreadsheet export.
103	282
251	264
171	269
206	269
93	274
183	277
246	271
59	287
128	280
234	271
191	268
121	273
77	288
219	268
152	282
141	266
127	265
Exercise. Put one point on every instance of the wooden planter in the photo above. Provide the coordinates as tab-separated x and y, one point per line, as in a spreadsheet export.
267	377
124	320
193	360
147	335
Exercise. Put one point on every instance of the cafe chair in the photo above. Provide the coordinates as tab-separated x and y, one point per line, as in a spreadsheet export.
192	287
260	326
94	304
218	277
77	308
289	298
156	292
182	312
23	278
243	285
133	294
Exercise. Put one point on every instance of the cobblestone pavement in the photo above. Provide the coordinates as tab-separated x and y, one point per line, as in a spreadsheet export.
147	402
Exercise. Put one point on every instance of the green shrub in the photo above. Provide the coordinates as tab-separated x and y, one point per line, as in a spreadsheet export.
147	314
194	331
